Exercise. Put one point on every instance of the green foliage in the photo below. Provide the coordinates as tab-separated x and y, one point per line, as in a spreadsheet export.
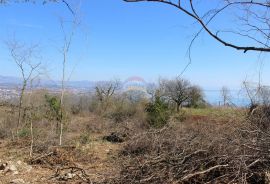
198	103
195	98
54	107
24	132
157	113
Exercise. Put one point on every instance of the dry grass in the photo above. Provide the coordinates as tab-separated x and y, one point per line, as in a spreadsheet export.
212	145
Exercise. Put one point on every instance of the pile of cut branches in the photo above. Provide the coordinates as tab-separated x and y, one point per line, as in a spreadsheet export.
197	153
57	157
65	174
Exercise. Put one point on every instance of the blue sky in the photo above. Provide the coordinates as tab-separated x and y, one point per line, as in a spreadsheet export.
119	40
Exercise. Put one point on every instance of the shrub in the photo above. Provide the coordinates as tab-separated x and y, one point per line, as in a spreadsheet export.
84	138
24	132
54	107
75	109
122	113
157	113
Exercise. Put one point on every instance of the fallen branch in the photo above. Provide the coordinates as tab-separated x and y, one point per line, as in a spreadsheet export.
189	176
41	157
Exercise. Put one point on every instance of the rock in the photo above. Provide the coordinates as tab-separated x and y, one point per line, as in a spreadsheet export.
28	168
17	181
15	172
19	162
70	175
13	168
6	168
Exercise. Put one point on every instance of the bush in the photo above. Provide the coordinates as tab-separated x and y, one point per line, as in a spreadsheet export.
84	138
54	107
24	132
122	113
75	109
157	113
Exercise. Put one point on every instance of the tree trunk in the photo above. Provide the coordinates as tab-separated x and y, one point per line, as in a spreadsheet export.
20	107
32	137
61	100
178	107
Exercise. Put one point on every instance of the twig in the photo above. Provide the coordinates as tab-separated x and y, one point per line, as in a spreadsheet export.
189	176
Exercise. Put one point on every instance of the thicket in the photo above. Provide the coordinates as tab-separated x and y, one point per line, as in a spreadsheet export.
158	113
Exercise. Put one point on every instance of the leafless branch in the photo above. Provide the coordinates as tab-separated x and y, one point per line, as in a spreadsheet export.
192	12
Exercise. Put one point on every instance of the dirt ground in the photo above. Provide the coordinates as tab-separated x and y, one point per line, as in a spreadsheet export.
95	159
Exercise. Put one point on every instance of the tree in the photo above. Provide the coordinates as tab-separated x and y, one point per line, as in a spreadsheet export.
67	41
252	15
151	90
105	91
195	98
32	112
257	93
26	60
225	94
176	90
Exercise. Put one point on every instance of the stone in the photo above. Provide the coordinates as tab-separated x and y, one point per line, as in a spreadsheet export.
13	168
17	181
70	175
19	162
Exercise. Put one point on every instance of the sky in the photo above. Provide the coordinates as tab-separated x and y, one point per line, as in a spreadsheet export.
120	40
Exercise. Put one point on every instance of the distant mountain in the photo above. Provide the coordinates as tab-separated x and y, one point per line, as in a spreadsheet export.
9	80
14	82
131	84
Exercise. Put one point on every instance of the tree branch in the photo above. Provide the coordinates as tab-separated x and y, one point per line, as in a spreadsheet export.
204	25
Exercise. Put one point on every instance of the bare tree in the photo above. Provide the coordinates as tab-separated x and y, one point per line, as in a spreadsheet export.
26	59
67	41
105	91
257	93
33	83
176	90
225	94
252	15
151	91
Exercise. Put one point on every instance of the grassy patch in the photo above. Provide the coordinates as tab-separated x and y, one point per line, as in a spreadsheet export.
218	114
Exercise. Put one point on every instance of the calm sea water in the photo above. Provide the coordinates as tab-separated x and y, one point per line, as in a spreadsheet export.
236	98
